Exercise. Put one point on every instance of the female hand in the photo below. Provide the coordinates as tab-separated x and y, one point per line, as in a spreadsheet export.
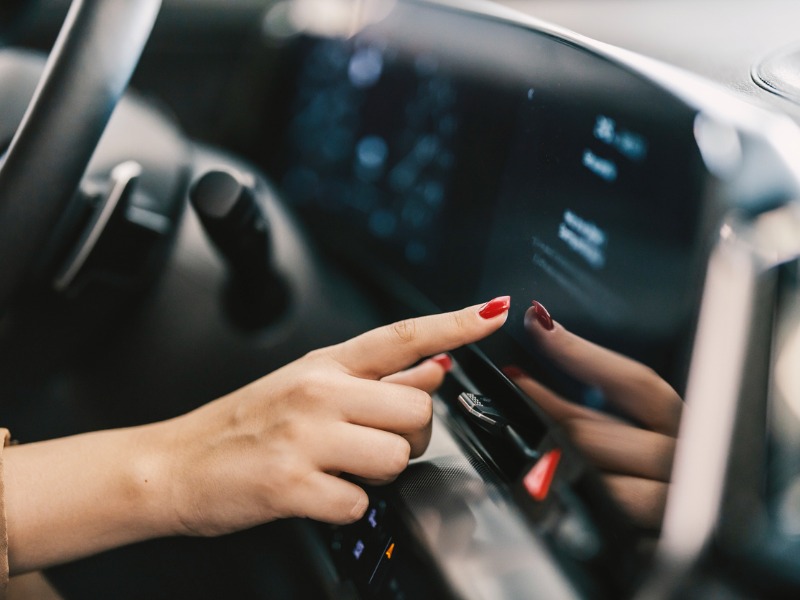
280	446
635	460
293	443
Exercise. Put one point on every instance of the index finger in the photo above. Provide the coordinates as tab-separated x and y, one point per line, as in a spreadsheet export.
394	347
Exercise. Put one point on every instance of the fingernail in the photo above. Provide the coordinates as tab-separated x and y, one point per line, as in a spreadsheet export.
544	318
495	307
512	371
444	361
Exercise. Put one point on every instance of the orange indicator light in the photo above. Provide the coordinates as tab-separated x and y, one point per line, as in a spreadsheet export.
390	550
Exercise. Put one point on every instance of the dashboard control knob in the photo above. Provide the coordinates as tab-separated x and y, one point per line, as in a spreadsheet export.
483	411
227	204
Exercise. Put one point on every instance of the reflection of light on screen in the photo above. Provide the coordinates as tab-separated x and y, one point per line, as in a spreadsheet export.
719	145
371	154
629	144
371	151
406	173
602	167
590	253
365	67
604	129
581	286
591	232
585	238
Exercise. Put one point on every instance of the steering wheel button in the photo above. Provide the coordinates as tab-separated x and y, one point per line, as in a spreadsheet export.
537	481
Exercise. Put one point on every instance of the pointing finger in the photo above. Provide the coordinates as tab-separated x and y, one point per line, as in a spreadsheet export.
394	347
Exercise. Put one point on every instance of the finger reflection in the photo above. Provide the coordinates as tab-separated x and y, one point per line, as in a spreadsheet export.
633	451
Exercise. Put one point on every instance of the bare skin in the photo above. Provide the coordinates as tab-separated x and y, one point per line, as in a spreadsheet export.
272	449
635	461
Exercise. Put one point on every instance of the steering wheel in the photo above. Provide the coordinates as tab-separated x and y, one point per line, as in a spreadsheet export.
87	72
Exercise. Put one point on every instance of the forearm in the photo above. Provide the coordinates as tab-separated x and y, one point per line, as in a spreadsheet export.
71	497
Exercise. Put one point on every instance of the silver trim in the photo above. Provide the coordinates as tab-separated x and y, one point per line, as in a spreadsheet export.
469	405
746	250
123	177
765	82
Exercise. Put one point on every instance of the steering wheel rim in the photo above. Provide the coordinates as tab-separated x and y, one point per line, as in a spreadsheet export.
87	72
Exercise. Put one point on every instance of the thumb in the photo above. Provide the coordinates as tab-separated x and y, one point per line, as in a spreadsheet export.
394	347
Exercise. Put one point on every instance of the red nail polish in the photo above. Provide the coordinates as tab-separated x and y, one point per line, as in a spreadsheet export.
544	318
444	361
495	307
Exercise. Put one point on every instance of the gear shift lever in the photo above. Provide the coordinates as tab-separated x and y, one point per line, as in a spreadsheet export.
226	203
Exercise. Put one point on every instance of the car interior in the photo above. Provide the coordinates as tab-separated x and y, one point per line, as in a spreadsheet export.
194	193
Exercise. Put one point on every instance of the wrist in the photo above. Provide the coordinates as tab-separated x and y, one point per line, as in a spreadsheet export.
71	497
152	477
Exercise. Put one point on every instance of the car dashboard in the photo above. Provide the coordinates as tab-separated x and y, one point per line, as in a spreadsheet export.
420	156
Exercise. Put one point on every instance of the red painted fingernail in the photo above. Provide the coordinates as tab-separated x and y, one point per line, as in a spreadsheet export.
495	307
444	361
513	371
544	318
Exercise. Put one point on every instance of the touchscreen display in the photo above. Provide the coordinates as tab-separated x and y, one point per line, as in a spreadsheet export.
599	213
474	158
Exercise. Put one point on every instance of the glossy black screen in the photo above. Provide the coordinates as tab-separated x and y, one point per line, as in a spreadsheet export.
474	158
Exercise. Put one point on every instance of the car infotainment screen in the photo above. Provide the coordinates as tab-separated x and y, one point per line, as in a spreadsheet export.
476	158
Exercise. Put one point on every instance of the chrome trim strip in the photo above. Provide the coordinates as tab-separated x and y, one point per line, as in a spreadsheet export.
746	251
122	178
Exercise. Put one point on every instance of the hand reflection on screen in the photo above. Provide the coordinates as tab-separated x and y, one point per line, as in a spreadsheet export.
635	460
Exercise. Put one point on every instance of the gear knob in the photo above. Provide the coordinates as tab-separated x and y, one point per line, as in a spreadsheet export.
226	201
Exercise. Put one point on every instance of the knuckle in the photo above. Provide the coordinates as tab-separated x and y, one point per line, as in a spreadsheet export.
358	507
420	410
398	456
404	331
313	386
289	474
315	354
459	322
288	431
319	357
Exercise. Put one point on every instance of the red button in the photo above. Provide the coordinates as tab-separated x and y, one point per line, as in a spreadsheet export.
537	481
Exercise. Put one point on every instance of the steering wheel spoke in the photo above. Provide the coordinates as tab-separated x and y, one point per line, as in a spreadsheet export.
86	74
